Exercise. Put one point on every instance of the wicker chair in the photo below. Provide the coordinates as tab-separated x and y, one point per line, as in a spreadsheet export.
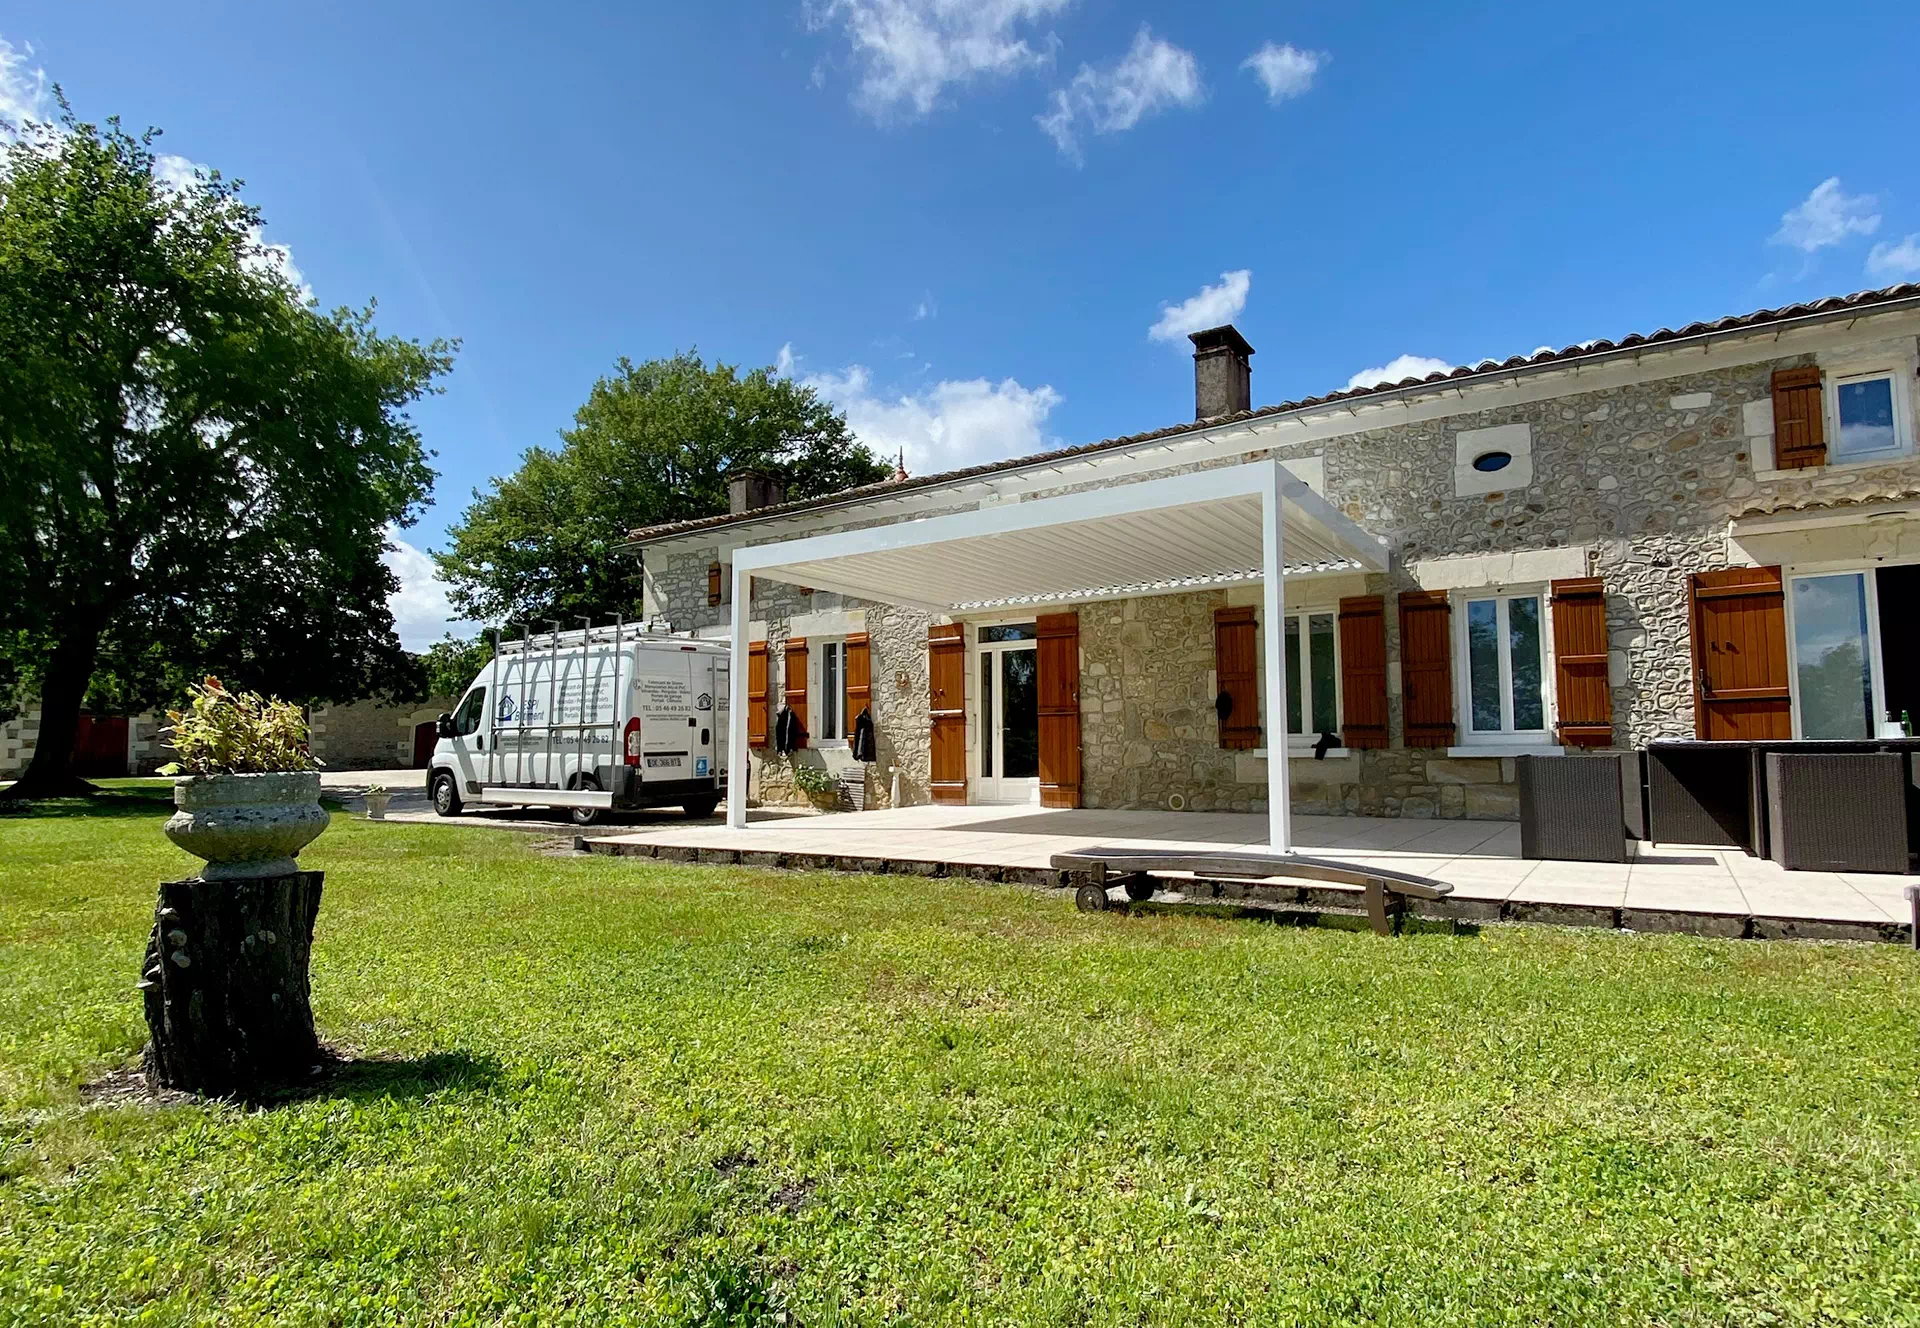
1578	808
1837	811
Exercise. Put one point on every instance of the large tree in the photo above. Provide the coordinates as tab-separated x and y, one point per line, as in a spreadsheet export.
653	443
199	466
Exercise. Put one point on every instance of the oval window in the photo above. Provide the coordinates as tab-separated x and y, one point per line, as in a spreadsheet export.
1492	460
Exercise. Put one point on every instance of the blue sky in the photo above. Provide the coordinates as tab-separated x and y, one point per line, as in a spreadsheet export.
965	222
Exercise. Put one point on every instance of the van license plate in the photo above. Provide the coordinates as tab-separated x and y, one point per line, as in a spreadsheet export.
663	763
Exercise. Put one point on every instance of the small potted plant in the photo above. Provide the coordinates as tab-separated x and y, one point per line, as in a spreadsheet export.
376	798
249	791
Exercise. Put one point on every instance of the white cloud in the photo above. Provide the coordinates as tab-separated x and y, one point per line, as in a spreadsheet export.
953	423
927	308
1828	216
1152	76
1213	306
177	172
1398	368
1286	71
1890	262
911	51
23	90
421	612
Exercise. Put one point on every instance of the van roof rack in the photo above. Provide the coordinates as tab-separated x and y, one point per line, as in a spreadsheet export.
609	634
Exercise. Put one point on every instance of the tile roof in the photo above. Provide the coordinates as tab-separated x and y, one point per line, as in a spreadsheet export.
1830	504
1861	300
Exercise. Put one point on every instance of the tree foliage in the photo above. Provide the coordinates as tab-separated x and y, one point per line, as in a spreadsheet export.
450	664
652	444
200	467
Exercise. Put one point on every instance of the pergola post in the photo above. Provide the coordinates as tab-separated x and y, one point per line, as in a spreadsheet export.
738	754
1273	634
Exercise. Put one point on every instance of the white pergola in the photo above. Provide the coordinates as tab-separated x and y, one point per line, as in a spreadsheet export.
1246	522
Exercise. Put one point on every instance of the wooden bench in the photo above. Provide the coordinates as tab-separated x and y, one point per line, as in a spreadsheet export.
1385	891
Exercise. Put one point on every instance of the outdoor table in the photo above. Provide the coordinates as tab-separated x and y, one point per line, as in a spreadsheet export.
1715	793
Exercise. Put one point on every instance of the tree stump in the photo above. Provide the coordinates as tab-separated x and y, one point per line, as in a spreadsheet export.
225	982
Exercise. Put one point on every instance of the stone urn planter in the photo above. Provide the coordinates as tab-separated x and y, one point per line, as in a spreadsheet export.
376	799
247	827
225	980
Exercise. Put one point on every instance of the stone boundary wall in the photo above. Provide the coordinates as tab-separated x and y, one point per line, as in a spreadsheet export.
370	735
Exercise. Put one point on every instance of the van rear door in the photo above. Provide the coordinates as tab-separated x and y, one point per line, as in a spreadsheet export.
663	701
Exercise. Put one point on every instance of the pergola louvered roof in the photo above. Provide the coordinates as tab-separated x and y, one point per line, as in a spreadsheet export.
1153	534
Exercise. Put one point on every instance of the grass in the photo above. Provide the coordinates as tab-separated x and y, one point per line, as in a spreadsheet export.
610	1091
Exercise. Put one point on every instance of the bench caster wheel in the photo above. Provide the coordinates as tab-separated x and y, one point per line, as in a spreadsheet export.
1090	899
1140	888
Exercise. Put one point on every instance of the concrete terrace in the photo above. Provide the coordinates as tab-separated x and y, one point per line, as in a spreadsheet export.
1665	888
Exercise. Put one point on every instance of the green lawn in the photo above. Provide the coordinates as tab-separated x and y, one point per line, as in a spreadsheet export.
626	1091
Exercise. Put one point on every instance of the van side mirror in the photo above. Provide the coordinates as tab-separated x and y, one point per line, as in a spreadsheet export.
444	726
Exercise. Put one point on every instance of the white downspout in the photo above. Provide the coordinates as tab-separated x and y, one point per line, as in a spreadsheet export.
1273	634
737	767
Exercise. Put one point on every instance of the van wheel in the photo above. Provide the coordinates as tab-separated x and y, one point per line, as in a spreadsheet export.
700	807
587	815
446	794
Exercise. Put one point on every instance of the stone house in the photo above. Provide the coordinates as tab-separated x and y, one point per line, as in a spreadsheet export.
1712	531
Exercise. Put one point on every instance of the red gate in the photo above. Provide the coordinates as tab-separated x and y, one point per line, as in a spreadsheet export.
100	746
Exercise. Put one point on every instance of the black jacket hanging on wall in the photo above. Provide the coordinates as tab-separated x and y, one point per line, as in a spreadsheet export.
863	736
787	733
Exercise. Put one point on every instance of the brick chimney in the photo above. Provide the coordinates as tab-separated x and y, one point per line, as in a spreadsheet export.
1222	378
748	490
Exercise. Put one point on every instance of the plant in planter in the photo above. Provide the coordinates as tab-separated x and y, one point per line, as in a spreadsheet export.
817	784
225	982
377	797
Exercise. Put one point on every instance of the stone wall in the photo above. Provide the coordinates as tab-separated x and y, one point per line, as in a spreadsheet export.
1636	484
370	735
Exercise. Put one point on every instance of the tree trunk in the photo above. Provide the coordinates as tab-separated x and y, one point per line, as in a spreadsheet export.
69	672
226	987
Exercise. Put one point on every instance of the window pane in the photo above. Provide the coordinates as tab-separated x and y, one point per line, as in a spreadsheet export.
986	716
1523	641
1866	417
1293	675
1830	656
1483	664
1010	632
1325	674
1020	714
830	689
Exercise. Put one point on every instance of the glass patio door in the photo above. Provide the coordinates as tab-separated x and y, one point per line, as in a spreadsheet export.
1008	714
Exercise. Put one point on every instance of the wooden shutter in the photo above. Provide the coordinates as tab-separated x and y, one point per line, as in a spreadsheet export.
859	677
1235	661
1740	689
795	685
1059	688
947	708
713	584
1580	662
1363	671
757	694
1426	667
1799	419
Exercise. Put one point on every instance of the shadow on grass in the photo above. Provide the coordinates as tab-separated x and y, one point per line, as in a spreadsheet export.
383	1078
141	800
348	1077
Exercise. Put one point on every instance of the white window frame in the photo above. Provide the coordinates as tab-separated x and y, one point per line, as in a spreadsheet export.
1876	666
818	648
1465	735
1304	682
1898	377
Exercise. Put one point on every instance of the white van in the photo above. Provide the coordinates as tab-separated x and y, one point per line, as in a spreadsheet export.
599	720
